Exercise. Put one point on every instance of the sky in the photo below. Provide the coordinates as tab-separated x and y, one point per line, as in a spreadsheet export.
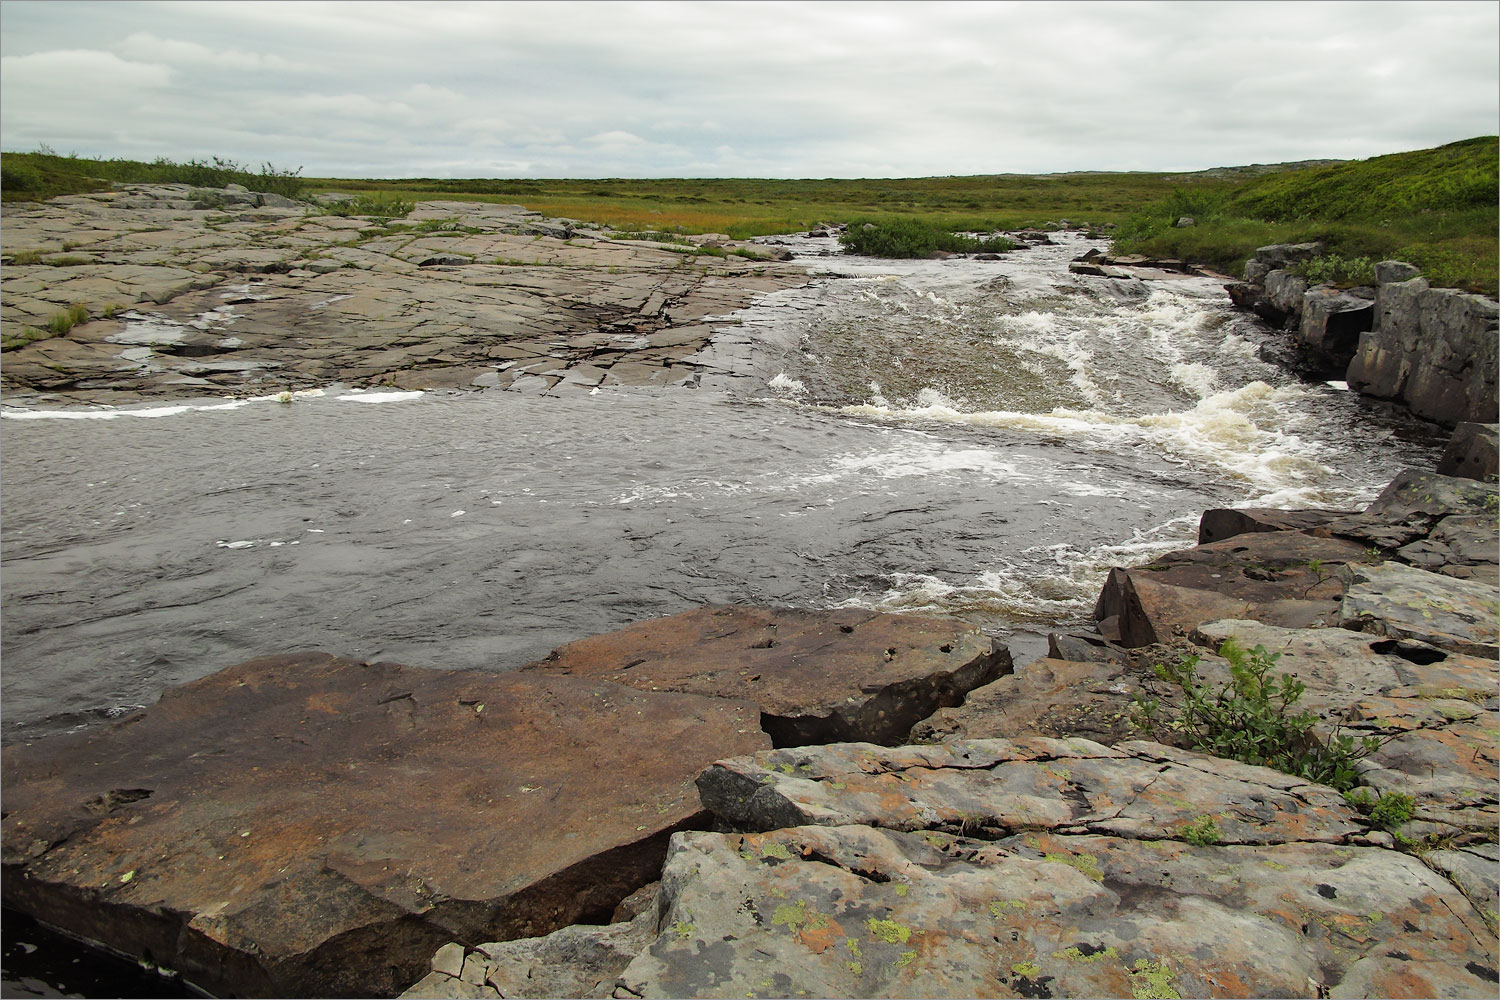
697	89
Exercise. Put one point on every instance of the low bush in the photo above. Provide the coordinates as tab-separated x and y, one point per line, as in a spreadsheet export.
908	238
1251	718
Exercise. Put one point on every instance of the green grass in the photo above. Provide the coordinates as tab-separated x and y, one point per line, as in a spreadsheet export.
57	325
44	174
1435	208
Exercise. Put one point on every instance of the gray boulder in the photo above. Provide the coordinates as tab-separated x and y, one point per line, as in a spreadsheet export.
1472	452
1332	321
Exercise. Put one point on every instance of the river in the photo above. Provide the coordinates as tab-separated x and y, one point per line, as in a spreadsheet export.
976	439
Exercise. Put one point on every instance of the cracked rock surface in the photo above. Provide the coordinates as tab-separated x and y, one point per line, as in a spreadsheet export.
188	294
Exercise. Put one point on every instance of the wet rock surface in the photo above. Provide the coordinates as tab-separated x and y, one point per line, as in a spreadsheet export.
188	294
818	677
308	825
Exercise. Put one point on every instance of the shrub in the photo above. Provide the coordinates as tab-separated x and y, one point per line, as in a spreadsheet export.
1251	718
1338	270
907	238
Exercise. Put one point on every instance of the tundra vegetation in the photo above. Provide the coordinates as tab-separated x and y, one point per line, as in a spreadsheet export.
1435	208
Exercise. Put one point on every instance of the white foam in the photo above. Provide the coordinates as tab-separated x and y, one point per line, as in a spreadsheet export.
785	383
361	396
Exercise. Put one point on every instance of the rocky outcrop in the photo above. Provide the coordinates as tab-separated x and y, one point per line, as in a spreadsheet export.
307	825
1016	857
191	291
1046	868
817	677
1432	349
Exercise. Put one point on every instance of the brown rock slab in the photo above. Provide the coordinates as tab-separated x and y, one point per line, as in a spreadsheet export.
818	676
1285	578
309	825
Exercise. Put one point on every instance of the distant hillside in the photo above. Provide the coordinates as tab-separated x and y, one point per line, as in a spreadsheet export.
1435	208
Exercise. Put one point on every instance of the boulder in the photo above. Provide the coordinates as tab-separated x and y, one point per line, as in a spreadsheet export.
1432	349
1220	523
1473	452
1284	291
1332	321
1185	221
1286	578
1281	255
1395	270
308	825
817	676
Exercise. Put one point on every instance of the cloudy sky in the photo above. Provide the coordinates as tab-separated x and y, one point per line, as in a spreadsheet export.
745	89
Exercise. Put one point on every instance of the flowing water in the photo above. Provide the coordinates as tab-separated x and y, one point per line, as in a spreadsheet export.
967	438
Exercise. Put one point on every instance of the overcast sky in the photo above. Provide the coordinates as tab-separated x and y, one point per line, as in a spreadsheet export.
745	89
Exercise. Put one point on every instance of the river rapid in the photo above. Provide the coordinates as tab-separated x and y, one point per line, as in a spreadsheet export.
975	439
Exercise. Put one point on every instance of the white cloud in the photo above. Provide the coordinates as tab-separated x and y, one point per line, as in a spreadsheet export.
834	89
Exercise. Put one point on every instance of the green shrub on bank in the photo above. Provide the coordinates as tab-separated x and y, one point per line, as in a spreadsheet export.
1252	719
906	238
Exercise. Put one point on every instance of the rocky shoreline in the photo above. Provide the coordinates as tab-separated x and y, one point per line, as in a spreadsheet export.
740	801
189	292
836	803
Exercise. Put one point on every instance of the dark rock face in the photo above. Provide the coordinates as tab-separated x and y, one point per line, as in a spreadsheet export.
1332	321
818	677
1472	453
1225	522
1433	349
307	825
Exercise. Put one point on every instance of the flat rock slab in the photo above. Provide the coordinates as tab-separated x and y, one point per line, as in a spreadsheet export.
1402	601
308	825
818	676
1137	789
854	911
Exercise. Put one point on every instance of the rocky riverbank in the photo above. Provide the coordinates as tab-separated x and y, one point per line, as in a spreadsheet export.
308	825
176	291
1431	349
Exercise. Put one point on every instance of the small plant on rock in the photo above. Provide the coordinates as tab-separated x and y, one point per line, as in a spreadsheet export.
1252	718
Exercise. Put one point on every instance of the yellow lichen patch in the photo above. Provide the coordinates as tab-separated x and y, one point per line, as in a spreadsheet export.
1152	981
1088	864
1000	906
1026	969
889	931
775	850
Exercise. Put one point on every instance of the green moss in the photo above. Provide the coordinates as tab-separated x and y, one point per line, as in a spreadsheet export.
1086	863
1201	832
889	931
1152	981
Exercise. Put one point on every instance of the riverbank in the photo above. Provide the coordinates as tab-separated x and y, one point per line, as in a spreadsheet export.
151	292
1035	838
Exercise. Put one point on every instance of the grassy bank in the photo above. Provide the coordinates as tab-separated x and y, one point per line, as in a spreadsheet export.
1435	208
